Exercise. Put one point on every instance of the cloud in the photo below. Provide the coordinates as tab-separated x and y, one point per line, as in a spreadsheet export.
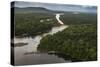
52	6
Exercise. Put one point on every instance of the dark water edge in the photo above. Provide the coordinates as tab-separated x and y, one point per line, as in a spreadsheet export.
86	61
47	56
40	58
24	55
67	59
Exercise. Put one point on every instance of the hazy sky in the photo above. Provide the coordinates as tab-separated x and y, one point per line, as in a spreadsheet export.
51	6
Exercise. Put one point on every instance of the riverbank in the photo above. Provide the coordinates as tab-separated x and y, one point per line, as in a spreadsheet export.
30	24
31	53
73	42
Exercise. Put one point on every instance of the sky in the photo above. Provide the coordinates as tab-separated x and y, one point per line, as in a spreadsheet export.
52	6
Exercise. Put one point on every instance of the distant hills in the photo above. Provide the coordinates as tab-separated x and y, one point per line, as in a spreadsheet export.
32	9
24	7
45	10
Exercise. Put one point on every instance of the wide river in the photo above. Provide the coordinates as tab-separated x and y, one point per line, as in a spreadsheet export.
28	54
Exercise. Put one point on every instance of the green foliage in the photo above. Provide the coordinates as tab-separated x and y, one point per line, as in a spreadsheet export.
78	41
30	24
81	18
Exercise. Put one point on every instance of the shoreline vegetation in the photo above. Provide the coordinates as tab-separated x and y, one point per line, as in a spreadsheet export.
32	24
78	42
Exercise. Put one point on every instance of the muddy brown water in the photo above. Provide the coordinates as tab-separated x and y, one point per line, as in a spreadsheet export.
28	54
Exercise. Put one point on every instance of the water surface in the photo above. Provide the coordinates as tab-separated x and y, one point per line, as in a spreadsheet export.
32	56
28	54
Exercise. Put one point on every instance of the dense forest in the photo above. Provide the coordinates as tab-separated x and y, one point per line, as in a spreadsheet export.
80	18
77	42
31	24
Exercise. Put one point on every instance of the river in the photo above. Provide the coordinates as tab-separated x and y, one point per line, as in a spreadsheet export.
28	54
